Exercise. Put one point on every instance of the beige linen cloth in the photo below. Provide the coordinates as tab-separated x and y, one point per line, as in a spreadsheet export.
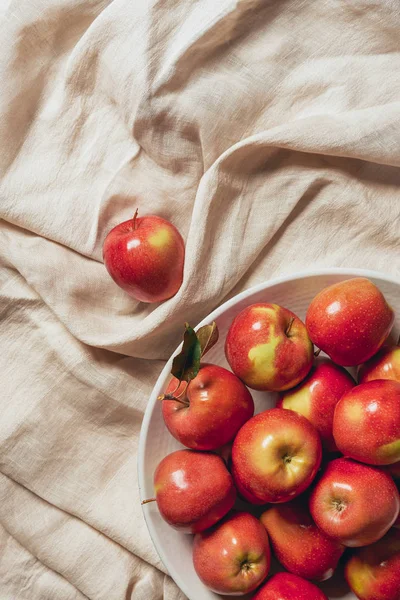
267	131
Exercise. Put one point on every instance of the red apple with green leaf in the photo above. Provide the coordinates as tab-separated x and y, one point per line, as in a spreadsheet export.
384	365
210	411
316	397
204	406
233	557
286	586
268	347
349	321
275	456
193	490
354	503
366	424
299	545
373	573
145	257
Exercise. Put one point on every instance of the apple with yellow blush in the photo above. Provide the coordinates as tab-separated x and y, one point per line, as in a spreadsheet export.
145	257
350	321
373	573
299	545
268	348
234	556
316	397
366	423
275	456
384	365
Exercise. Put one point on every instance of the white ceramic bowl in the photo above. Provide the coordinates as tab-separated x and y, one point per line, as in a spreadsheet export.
295	293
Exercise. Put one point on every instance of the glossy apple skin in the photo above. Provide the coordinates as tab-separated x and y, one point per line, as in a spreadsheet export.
373	573
316	397
193	490
145	257
384	365
354	503
286	586
349	321
268	347
234	557
366	424
299	545
275	456
218	405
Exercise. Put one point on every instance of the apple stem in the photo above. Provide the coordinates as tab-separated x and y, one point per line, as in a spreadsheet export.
289	326
177	388
317	352
148	500
398	341
134	219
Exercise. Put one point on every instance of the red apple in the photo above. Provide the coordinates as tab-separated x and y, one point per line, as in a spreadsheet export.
349	321
366	424
354	503
299	545
211	411
234	557
373	573
275	456
193	490
286	586
316	397
384	365
145	258
268	347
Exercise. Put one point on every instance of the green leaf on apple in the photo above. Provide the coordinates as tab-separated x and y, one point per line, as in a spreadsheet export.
208	337
186	364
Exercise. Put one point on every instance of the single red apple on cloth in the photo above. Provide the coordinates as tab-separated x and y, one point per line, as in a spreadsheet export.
193	490
366	424
209	411
349	321
145	257
316	397
275	456
384	365
373	573
286	586
354	503
299	545
268	347
233	557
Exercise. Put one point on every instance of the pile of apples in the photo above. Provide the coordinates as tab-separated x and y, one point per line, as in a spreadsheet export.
313	480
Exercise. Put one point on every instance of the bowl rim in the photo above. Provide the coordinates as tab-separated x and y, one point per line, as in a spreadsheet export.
368	273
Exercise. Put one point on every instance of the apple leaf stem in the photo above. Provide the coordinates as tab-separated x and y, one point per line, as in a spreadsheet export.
317	352
148	500
176	389
178	398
